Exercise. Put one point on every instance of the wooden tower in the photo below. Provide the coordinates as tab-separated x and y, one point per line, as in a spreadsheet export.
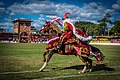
23	28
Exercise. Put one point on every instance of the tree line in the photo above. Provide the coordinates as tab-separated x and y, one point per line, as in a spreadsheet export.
105	27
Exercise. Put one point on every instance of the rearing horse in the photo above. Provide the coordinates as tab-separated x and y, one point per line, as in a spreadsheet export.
72	46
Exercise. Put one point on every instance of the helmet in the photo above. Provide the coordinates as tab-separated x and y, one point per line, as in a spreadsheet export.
66	15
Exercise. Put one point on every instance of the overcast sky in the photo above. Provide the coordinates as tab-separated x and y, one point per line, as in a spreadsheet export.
41	10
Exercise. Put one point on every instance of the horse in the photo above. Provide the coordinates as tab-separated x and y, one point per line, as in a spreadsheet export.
72	46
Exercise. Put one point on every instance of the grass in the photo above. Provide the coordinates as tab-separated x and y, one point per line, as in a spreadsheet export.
28	57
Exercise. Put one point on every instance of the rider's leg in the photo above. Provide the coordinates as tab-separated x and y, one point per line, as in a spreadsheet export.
63	39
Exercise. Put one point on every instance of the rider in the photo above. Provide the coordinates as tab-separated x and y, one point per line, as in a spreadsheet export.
69	27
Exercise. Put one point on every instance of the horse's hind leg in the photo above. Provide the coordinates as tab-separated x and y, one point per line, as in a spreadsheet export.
88	63
85	67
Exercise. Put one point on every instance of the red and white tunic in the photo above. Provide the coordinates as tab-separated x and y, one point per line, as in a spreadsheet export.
68	25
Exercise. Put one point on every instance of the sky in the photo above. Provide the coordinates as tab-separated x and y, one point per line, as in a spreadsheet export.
45	10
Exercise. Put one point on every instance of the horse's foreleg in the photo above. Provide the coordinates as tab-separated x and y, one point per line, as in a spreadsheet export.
44	58
84	69
49	56
47	60
44	65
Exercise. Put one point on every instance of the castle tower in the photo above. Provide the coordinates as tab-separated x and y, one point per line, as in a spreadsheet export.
23	28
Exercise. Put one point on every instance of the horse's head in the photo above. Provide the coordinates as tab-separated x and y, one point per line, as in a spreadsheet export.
45	29
49	29
48	24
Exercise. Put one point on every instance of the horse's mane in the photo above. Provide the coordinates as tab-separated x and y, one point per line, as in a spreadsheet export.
57	28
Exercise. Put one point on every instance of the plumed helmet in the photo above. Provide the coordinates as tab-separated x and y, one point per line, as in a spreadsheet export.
66	15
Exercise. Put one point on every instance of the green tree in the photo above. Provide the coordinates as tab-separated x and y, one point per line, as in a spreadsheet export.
116	27
87	27
104	24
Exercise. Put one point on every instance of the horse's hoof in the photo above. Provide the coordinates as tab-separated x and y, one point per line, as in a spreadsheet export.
81	72
40	70
89	70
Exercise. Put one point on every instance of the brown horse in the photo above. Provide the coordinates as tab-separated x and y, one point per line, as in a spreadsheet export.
72	46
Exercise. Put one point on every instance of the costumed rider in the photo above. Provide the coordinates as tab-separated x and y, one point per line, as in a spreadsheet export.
69	27
67	24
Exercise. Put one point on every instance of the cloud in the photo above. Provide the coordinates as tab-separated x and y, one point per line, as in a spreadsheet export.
48	10
116	6
33	8
94	11
1	4
51	9
38	23
7	26
51	16
12	14
41	18
2	10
